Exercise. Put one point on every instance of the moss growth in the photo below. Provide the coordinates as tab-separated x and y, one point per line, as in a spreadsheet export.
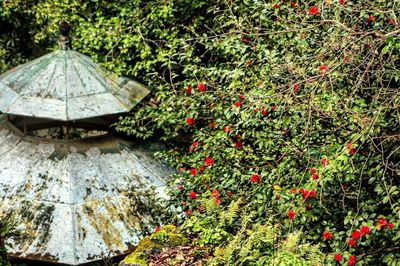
176	240
167	236
139	256
169	228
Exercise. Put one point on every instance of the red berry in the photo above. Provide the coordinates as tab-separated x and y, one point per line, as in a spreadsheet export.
356	235
352	243
291	214
208	161
326	235
193	195
193	146
190	121
217	201
193	171
382	222
189	89
264	112
305	193
201	87
352	261
295	88
313	171
323	69
370	18
365	230
227	129
255	179
238	145
324	161
215	193
353	151
313	10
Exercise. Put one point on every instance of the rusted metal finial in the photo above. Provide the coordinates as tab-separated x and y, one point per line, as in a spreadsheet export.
65	40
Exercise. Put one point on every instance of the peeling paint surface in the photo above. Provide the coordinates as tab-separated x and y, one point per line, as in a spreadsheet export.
77	201
66	85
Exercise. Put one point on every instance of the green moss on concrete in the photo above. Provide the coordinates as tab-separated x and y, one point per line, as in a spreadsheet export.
167	236
169	228
140	255
176	240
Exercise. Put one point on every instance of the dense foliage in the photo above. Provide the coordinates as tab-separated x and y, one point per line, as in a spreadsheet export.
291	107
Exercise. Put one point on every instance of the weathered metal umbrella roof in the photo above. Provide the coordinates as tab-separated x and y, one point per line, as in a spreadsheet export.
66	85
77	201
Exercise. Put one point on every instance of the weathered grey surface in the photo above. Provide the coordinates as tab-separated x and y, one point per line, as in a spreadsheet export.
80	201
66	85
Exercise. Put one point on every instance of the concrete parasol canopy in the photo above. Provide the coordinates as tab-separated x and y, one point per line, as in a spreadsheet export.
74	200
